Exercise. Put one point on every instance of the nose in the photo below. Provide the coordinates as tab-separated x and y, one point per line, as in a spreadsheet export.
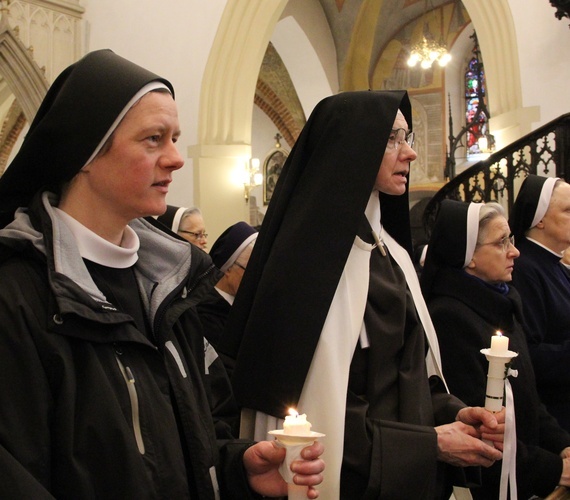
407	152
513	251
172	158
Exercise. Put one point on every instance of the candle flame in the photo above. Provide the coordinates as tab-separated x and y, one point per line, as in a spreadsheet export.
293	412
499	333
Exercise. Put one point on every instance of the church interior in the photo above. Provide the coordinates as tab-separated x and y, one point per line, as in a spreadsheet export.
248	73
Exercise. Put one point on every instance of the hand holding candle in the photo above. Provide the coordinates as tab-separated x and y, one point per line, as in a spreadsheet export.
295	435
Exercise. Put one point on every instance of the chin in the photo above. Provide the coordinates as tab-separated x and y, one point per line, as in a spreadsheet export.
393	190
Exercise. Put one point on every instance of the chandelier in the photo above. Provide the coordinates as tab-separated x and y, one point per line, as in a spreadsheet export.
429	50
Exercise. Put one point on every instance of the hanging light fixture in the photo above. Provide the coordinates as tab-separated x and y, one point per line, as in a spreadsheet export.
429	50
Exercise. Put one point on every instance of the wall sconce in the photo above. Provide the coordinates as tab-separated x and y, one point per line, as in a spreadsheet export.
252	177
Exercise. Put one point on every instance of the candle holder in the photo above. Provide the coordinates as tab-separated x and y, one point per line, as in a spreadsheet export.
293	444
496	378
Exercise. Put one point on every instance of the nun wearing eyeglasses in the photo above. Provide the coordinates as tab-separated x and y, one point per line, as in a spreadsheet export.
469	264
330	319
540	220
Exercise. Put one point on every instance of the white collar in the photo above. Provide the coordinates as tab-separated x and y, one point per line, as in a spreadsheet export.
96	249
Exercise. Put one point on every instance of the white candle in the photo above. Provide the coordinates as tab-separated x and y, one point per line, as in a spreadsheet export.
296	425
499	344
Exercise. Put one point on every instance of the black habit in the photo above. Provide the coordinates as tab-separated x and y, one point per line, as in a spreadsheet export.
466	313
291	280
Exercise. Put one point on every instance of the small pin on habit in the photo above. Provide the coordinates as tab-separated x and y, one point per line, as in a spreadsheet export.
379	244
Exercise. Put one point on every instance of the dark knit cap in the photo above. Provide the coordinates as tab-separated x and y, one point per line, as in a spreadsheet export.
78	110
231	243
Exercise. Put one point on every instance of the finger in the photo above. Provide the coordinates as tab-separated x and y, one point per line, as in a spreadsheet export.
308	467
312	492
313	451
308	480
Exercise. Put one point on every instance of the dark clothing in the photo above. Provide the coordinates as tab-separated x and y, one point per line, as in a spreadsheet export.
93	407
466	313
214	311
302	301
303	244
544	286
390	404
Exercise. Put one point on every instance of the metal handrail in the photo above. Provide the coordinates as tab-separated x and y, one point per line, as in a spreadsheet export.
545	151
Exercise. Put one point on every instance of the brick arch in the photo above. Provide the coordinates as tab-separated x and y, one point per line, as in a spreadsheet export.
230	79
278	112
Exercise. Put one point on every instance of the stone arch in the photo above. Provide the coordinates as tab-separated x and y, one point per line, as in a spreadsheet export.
23	76
228	87
495	29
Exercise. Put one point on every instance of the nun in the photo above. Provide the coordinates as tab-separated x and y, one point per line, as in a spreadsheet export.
103	390
230	253
330	319
187	223
465	282
540	221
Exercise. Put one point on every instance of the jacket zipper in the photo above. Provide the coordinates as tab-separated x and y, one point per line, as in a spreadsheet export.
186	291
130	381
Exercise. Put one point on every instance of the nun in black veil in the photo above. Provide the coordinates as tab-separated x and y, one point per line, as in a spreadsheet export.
465	283
330	318
103	390
540	221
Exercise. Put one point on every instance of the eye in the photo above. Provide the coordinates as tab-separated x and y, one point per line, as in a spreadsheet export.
154	138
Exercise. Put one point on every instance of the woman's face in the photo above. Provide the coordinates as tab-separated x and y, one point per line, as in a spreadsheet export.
193	229
132	178
494	257
395	166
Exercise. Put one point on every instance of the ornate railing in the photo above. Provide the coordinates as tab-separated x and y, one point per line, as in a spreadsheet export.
544	151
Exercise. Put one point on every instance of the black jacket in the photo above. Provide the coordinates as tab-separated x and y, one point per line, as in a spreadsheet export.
466	313
91	407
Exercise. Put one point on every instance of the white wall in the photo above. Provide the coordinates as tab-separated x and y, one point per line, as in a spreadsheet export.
544	48
303	39
171	38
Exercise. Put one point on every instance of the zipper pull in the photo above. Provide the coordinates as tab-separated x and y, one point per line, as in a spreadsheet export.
129	374
379	243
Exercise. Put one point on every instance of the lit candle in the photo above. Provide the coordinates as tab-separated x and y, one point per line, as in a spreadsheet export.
499	344
296	425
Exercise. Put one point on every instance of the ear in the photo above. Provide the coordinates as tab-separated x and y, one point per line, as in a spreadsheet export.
471	264
540	224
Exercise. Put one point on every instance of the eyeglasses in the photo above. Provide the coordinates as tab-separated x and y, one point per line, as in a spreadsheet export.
197	236
503	243
398	137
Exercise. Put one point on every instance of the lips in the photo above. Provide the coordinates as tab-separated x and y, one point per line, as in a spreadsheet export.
164	183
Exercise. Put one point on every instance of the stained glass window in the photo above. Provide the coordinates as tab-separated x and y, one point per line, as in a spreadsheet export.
475	101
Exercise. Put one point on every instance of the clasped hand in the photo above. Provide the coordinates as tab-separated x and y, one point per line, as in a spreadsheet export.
262	460
461	443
